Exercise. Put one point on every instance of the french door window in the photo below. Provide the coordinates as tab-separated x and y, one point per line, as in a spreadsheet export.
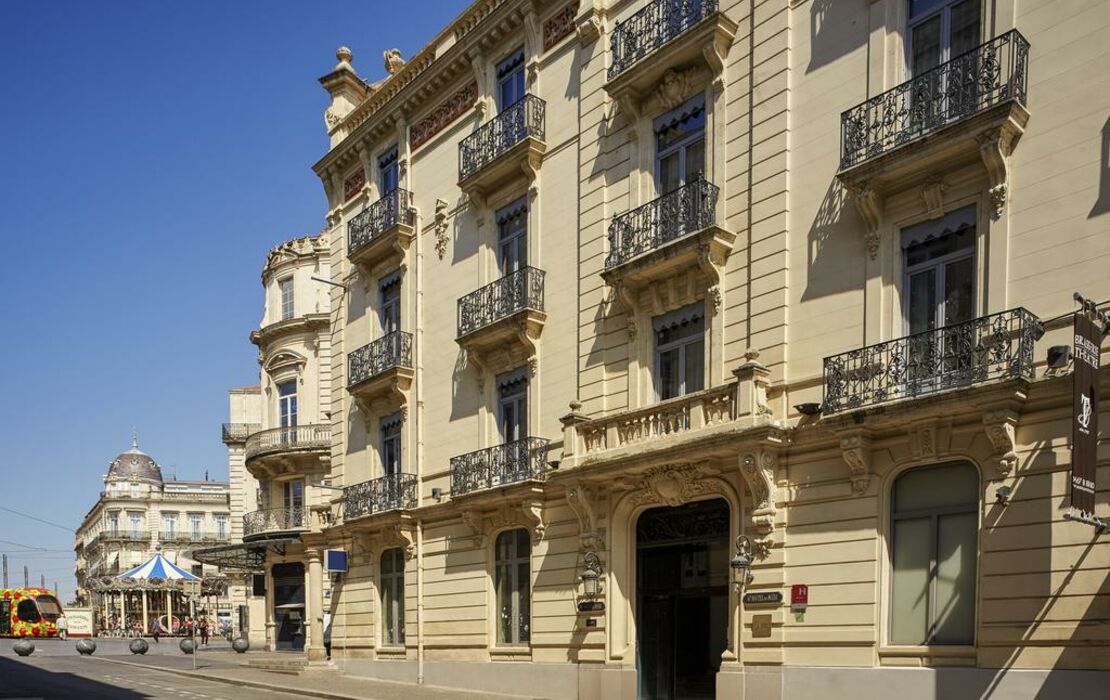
510	80
293	499
391	444
512	237
940	30
113	523
512	582
389	313
680	145
389	171
934	535
679	352
393	596
221	526
286	286
169	524
940	271
287	409
512	405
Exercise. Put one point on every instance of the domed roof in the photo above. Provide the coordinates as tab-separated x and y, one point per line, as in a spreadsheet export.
135	464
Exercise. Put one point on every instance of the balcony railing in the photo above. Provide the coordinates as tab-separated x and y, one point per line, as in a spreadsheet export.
515	123
392	209
686	210
298	437
238	432
391	350
386	493
989	348
988	75
190	536
511	463
275	520
124	536
514	292
652	27
683	414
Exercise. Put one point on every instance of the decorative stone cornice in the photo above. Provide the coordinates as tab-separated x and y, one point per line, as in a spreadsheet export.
283	254
299	324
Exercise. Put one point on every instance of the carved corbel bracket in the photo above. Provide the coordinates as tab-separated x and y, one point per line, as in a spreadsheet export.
530	165
869	204
532	510
583	501
758	469
995	147
855	449
472	519
401	535
1001	427
624	300
588	23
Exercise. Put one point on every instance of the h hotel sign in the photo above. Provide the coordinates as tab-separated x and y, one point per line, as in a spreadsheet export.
1085	378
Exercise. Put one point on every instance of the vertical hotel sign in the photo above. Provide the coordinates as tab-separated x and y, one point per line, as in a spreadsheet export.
1088	339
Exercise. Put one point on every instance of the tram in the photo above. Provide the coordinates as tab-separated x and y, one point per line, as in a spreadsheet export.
29	612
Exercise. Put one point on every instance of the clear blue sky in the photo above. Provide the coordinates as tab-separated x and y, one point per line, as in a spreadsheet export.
150	154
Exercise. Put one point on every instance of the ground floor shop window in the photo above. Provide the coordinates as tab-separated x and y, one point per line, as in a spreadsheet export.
934	535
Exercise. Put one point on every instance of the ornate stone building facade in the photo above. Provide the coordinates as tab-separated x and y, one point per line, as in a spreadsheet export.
617	283
139	514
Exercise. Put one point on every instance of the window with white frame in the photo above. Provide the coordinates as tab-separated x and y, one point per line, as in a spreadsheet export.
680	145
679	352
169	524
393	596
510	80
389	311
293	495
940	30
287	404
933	545
512	405
512	582
389	171
196	525
939	275
390	445
286	286
113	523
512	236
221	525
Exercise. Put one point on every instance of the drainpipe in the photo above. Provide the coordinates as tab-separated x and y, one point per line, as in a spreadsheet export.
418	413
419	601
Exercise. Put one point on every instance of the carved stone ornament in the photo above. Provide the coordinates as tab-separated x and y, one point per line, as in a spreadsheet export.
441	228
559	25
446	112
933	194
856	451
869	204
583	501
673	485
400	535
758	470
1001	427
393	61
995	147
528	514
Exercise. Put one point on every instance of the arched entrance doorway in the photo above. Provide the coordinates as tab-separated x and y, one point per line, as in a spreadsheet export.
682	615
289	612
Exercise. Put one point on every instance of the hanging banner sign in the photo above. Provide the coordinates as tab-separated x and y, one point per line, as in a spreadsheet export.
1084	435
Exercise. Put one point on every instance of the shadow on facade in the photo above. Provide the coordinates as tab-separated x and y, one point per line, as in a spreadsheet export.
1102	204
834	247
836	33
27	680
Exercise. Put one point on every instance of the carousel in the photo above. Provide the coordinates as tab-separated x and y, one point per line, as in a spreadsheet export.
130	603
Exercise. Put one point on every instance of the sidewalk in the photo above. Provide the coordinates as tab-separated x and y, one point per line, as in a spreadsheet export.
328	682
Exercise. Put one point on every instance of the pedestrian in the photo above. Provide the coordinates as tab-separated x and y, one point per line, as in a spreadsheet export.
155	629
202	625
62	625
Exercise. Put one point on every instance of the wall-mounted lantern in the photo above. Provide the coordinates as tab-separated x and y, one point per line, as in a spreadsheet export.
591	584
741	563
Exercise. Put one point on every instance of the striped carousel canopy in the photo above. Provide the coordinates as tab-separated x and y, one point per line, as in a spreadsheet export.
158	567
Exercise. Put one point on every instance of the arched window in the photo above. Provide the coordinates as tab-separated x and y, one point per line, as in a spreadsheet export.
512	580
393	596
934	534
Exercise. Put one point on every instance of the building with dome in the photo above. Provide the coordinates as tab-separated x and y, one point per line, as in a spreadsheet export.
139	514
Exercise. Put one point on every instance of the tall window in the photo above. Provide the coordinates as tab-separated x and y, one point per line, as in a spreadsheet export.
389	171
513	582
679	352
940	30
389	313
286	298
510	80
391	444
221	525
940	271
934	530
196	525
113	523
680	145
512	405
512	237
136	524
293	494
169	524
287	404
393	596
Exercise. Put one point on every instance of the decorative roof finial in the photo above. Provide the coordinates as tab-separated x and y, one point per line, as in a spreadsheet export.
344	55
134	438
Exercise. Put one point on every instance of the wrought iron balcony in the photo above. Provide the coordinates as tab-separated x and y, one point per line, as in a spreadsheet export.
510	463
654	26
686	210
990	74
386	493
297	438
496	137
238	432
124	536
275	520
390	351
383	215
995	347
515	292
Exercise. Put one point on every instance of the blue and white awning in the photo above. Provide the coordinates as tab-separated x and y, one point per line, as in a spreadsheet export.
158	567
